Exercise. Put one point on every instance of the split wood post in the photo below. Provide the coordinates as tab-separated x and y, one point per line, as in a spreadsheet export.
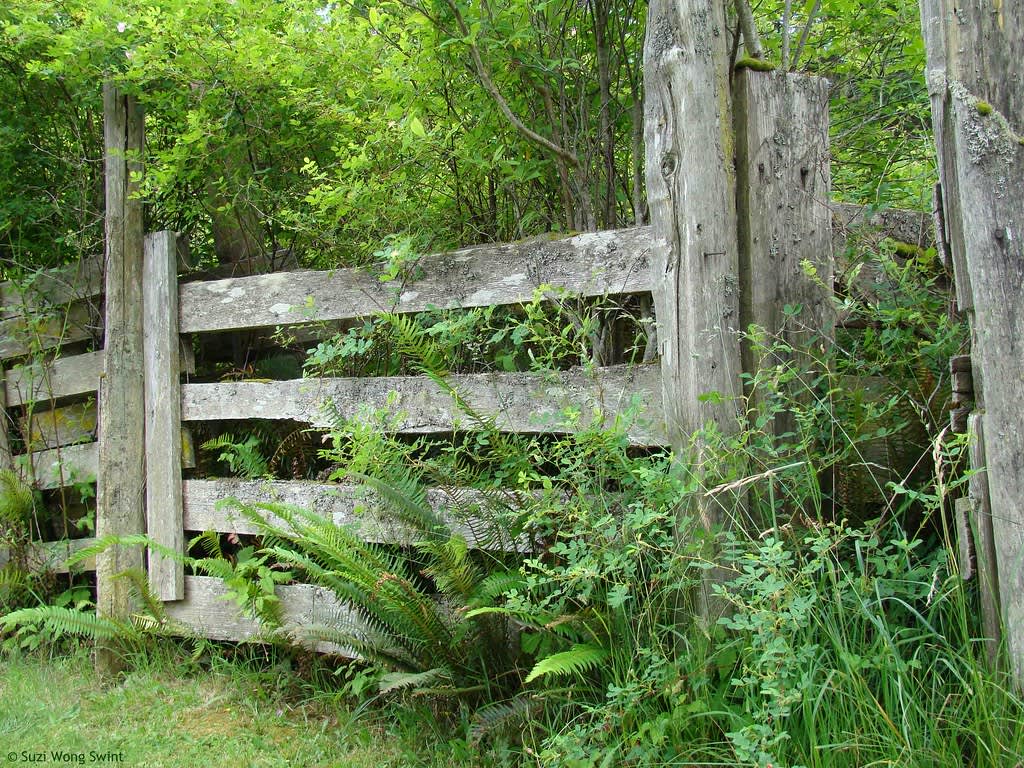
981	530
691	192
785	225
163	413
974	50
120	476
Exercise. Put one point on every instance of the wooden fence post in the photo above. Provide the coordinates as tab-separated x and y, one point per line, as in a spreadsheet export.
163	413
120	476
783	186
688	138
974	51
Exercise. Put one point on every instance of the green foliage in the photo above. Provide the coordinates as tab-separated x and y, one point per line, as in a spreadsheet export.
16	503
395	621
244	457
880	129
573	662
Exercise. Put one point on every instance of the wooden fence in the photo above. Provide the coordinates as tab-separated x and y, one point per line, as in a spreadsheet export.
785	217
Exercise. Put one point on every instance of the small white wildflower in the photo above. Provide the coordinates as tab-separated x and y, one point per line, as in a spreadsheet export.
121	26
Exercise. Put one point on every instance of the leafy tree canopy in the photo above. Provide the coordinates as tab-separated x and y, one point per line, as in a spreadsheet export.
329	128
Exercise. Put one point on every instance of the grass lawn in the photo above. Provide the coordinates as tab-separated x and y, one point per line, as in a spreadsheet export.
172	713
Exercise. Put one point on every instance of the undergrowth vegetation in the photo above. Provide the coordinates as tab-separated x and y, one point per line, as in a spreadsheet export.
555	597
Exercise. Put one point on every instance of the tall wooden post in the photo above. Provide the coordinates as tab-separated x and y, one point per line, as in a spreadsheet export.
120	476
163	414
688	138
974	50
785	222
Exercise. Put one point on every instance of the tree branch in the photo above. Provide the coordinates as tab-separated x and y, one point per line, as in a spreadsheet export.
506	110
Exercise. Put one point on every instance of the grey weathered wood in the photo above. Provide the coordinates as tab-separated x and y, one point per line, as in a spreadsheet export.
59	467
73	464
207	611
986	555
20	336
163	414
64	377
966	556
521	402
52	555
121	475
344	504
67	425
913	227
78	282
590	264
975	49
691	192
783	186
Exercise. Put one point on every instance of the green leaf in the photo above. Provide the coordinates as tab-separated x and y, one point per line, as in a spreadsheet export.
575	661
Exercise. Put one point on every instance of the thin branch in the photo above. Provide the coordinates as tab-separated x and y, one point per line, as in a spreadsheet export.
805	33
787	17
751	39
506	110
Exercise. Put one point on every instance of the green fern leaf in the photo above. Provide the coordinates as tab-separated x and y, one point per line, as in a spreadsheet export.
575	661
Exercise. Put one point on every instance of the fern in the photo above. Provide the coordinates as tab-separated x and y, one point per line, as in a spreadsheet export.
575	661
59	621
243	458
16	500
430	678
208	542
502	716
157	612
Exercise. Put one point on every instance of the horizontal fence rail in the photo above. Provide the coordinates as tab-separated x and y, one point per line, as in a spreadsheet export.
346	505
592	264
518	402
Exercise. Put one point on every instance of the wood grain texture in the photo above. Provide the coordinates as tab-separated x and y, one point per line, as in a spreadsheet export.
52	287
208	612
913	227
346	505
982	532
783	185
691	192
52	556
121	475
591	264
59	467
63	325
67	425
973	75
65	377
6	458
162	369
520	402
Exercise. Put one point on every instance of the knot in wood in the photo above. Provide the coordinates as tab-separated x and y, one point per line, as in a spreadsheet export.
668	164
